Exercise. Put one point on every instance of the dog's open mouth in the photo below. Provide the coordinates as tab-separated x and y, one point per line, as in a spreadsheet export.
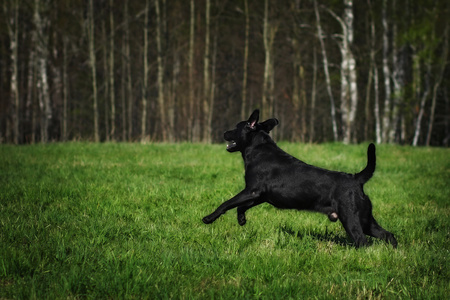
231	145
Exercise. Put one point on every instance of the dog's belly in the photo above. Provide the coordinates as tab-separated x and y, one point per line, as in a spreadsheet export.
302	197
300	201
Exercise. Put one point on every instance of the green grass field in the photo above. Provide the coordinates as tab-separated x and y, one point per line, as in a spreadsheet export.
82	220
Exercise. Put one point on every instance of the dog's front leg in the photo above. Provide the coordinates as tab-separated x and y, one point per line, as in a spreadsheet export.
244	199
243	208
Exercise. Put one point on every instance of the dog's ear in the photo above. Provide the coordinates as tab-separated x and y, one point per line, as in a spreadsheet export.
268	125
253	120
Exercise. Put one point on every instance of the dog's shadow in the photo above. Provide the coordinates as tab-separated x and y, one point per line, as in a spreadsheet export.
326	236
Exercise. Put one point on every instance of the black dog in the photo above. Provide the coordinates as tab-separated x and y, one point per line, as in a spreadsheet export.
273	176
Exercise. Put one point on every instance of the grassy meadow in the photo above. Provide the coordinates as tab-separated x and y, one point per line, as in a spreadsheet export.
82	220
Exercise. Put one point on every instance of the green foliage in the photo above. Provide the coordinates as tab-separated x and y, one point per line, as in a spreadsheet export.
82	220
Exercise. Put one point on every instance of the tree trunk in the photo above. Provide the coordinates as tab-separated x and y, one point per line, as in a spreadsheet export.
387	76
312	119
106	80
13	30
398	58
327	74
128	130
57	93
422	105
349	89
65	90
374	67
206	76
112	93
31	109
377	104
245	67
123	88
443	64
144	136
269	32
165	130
92	60
299	93
42	61
213	82
191	111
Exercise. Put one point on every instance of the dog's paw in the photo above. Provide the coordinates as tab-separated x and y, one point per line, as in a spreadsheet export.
333	217
208	220
242	220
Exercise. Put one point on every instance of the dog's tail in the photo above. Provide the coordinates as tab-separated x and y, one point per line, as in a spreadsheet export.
367	173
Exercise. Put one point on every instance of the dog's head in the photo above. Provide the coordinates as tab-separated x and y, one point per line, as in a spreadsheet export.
242	136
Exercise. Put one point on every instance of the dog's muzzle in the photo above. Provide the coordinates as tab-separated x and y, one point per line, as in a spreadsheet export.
231	145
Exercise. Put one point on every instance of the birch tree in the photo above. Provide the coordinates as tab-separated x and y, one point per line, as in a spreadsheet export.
443	64
42	63
349	89
327	73
206	76
374	74
11	9
386	75
31	104
398	82
269	32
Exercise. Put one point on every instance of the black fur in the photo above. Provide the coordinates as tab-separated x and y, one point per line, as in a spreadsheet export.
275	177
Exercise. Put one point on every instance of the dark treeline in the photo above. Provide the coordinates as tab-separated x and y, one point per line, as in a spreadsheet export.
185	70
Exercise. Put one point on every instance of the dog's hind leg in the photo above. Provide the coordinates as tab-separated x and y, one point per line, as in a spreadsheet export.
375	230
356	233
350	219
245	199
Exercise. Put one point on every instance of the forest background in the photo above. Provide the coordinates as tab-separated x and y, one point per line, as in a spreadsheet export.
176	70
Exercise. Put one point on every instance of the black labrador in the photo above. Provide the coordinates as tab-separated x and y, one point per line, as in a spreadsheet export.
275	177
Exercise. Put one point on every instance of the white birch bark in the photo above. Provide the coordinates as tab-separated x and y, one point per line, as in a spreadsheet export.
397	83
31	109
12	23
327	73
56	72
374	68
422	106
387	76
42	61
349	89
